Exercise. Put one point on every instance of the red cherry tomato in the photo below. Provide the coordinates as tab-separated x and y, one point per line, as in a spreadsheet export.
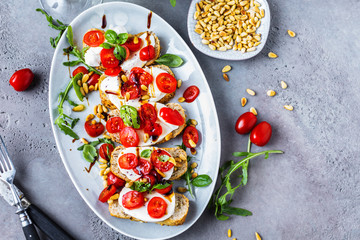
94	38
245	123
153	129
114	125
151	178
166	83
131	88
148	113
113	72
21	79
132	200
132	46
147	53
105	151
128	161
114	180
143	168
261	134
94	130
107	193
191	93
190	133
127	52
156	175
80	69
139	75
93	80
171	116
155	160
129	137
108	58
157	207
165	190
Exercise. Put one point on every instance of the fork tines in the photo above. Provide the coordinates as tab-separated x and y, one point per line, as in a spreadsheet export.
5	161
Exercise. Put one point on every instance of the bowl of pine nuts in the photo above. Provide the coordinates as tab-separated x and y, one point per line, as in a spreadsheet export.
229	29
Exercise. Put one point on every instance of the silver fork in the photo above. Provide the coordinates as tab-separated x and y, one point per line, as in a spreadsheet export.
7	174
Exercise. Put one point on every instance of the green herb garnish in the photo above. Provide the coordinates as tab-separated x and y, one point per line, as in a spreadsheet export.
163	158
97	142
90	153
146	153
130	116
146	186
173	3
76	86
120	52
201	181
170	60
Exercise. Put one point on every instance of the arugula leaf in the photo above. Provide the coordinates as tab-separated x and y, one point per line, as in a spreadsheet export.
201	181
72	63
146	153
130	116
90	153
63	125
76	86
170	60
97	142
187	177
69	36
163	158
119	52
173	3
111	36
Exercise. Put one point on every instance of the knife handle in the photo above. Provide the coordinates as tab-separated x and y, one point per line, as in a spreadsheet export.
27	226
45	224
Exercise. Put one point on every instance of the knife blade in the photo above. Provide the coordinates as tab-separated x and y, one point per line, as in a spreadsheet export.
40	219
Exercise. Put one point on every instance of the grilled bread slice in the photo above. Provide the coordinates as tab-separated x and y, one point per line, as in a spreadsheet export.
178	218
177	153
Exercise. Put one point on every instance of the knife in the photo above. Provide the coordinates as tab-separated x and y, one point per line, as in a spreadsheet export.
41	220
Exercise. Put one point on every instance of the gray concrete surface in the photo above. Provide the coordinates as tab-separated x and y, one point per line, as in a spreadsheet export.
310	192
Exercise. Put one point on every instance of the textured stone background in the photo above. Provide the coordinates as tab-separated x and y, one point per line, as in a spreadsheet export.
310	192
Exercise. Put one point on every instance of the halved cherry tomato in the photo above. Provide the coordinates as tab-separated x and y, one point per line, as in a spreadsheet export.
139	75
107	193
147	53
114	180
148	113
105	151
114	125
128	161
80	69
94	38
166	83
21	79
190	133
132	200
153	129
245	123
142	123
261	134
151	178
143	168
191	93
155	160
129	137
93	80
127	52
113	72
94	130
172	116
132	46
131	88
108	58
165	190
157	207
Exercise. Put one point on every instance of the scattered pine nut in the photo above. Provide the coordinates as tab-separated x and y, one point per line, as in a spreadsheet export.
102	172
253	110
234	239
181	99
103	166
194	175
179	82
291	33
251	92
145	97
86	88
289	107
99	108
283	85
272	55
127	95
79	83
181	189
193	122
226	77
136	40
79	108
95	109
110	201
84	141
160	172
93	122
257	236
192	171
82	91
104	177
271	93
229	233
243	101
194	165
103	160
89	117
91	88
105	183
226	68
104	108
143	87
192	143
85	78
106	136
146	137
96	86
90	73
193	151
124	78
168	137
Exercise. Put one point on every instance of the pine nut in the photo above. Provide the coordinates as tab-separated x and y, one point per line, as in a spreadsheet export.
104	177
106	136
251	92
181	99
243	101
193	122
146	137
89	117
124	78
283	85
257	236
193	151
101	172
127	96
79	108
103	160
160	172
86	88
85	78
103	165
96	86
136	40
110	201
104	109
115	196
226	68
194	165
272	55
107	171
79	83
93	122
105	184
99	108
271	93
226	77
291	33
143	87
192	143
82	91
84	141
179	82
168	137
253	110
145	97
194	175
95	109
289	107
181	189
91	88
229	233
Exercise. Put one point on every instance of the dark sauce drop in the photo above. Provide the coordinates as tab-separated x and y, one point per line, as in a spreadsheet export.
73	140
149	20
154	138
104	22
90	167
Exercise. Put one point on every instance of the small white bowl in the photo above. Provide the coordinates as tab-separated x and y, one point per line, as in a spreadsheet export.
229	54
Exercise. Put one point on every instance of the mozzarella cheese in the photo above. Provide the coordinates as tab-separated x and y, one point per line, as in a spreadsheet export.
118	28
92	56
129	173
142	213
153	90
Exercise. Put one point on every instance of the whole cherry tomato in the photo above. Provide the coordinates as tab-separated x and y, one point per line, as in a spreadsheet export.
105	151
21	79
190	133
245	123
261	134
94	130
191	93
166	83
147	53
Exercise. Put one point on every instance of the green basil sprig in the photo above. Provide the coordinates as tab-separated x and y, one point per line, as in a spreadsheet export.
146	153
119	52
170	60
112	37
90	153
202	180
130	116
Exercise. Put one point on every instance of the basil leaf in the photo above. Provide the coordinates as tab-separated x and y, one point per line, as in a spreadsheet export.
170	60
173	3
120	52
163	158
89	153
76	86
141	186
145	153
111	36
121	38
222	217
236	211
129	115
106	45
69	35
201	181
72	63
161	186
